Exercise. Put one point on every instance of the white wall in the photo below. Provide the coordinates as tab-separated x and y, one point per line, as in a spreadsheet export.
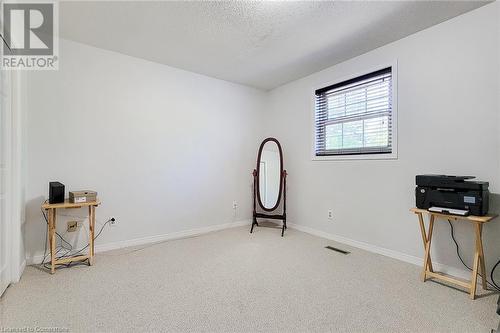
166	150
448	88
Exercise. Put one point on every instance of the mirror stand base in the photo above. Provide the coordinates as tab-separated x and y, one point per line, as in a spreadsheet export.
272	217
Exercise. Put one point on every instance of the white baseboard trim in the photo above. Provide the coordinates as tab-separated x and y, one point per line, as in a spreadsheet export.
36	259
383	251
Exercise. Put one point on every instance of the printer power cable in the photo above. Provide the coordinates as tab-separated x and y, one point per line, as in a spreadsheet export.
492	284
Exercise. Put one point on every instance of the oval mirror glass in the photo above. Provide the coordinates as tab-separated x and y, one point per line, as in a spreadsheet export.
269	174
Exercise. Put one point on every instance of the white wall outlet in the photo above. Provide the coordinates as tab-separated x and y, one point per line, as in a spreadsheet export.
330	214
235	204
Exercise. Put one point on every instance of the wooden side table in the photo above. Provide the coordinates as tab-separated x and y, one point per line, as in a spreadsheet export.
51	212
477	267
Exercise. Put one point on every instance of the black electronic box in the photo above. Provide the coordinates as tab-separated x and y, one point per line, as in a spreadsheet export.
56	192
452	192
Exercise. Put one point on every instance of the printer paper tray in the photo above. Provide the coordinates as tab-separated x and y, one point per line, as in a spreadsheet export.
451	211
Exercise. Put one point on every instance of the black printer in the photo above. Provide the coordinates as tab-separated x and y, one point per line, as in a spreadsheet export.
448	193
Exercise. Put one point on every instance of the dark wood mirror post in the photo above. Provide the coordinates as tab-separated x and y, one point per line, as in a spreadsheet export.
269	212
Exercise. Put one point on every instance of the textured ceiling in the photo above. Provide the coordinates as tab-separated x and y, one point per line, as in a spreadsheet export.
260	44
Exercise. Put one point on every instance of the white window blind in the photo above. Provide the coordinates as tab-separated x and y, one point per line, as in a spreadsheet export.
355	116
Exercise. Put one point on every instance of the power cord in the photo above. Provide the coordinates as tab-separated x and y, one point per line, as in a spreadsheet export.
493	283
61	237
95	237
62	246
491	276
59	248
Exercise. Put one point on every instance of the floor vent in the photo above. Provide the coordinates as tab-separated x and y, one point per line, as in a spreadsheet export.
335	249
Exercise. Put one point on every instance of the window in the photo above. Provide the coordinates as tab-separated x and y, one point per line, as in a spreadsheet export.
355	117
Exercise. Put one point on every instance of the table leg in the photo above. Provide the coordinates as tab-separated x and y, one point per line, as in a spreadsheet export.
482	264
477	259
91	234
52	238
424	236
427	256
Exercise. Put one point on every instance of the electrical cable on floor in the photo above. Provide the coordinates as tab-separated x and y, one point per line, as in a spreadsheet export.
95	237
45	254
493	283
68	250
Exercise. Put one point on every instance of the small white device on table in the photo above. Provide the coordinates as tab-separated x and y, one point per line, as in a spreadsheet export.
82	196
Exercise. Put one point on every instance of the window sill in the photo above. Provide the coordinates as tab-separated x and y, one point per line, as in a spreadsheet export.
392	156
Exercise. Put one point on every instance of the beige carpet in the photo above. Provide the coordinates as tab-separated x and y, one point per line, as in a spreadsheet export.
231	281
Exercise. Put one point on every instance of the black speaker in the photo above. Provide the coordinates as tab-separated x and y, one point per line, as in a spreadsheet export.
56	192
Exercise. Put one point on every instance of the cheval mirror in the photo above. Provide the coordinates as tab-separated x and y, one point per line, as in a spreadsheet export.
269	184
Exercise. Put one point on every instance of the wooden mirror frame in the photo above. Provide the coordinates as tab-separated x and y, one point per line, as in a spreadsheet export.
259	156
256	192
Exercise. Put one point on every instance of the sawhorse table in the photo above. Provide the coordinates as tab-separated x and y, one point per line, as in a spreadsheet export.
478	267
51	210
